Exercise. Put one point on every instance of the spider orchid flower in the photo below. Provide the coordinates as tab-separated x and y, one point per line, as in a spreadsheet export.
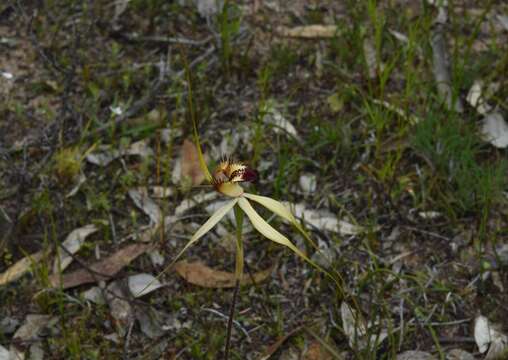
226	179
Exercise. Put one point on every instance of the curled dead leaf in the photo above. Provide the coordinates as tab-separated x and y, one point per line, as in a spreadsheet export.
20	268
190	166
415	355
106	154
144	202
494	129
199	274
73	242
490	339
101	270
142	284
309	31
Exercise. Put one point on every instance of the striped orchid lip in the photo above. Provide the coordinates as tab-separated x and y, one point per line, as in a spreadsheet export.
228	174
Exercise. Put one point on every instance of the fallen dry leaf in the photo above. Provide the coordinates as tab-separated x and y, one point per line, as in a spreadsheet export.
188	204
441	63
494	129
458	354
488	337
106	154
308	183
72	244
371	60
151	321
399	36
20	268
142	284
357	331
32	327
415	355
207	8
4	353
151	209
324	220
161	192
317	351
101	270
309	31
120	308
190	163
145	203
272	116
80	181
475	97
503	20
199	274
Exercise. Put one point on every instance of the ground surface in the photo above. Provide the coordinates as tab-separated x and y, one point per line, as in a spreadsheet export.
348	122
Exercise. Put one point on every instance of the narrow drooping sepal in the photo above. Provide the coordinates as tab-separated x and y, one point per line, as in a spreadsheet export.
208	225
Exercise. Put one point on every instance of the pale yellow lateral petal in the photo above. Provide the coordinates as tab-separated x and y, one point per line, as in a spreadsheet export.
274	206
266	230
281	210
208	225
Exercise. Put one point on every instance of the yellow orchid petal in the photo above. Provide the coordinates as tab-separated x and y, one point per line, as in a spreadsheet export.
274	206
230	189
208	225
267	231
281	210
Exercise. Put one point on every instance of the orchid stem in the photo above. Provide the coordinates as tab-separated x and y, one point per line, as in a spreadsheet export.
238	276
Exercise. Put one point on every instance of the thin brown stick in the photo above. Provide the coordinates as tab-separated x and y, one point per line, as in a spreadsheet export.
230	320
